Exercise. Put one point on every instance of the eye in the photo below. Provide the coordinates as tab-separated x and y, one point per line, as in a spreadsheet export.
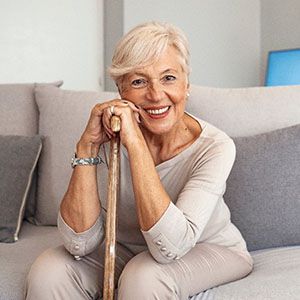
169	78
139	83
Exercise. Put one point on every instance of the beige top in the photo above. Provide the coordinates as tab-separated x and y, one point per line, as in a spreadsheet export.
195	180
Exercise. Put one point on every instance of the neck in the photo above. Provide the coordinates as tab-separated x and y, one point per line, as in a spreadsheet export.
167	145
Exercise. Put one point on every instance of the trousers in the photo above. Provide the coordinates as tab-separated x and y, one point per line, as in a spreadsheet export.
56	275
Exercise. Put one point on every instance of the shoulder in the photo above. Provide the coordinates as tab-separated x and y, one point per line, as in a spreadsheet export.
213	140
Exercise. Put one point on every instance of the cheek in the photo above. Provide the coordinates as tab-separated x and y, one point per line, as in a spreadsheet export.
132	96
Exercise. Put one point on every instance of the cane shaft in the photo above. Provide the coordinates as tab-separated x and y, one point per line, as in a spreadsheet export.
111	216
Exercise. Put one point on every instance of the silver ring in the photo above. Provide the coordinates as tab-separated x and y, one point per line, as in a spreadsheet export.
112	109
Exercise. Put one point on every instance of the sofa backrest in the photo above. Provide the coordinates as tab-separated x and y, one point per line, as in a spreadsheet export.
19	116
63	116
263	190
246	111
242	112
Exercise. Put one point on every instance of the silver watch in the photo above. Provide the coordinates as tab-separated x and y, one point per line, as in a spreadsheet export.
88	161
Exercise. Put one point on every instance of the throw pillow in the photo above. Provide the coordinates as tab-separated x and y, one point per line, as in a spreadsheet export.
63	117
18	159
263	189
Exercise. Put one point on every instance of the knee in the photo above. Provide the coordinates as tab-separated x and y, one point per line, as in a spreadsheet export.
144	278
47	273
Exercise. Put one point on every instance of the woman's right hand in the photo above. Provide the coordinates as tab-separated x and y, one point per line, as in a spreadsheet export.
96	133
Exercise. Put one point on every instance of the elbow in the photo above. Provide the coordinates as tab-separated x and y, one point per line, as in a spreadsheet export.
84	243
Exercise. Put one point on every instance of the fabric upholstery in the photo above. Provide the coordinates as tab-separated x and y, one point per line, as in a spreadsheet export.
275	276
246	111
263	190
19	116
18	159
63	117
16	258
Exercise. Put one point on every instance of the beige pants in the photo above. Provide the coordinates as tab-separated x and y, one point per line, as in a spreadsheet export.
56	275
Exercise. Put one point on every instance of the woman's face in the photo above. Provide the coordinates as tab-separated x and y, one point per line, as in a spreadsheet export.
160	91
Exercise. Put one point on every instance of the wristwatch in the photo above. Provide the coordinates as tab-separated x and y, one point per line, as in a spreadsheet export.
87	161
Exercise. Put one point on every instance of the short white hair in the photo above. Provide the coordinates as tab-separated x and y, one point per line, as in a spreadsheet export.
145	43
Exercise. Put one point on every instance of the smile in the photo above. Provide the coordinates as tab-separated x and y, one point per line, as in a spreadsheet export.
159	111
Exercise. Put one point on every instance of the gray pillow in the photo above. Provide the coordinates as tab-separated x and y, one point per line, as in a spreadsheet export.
18	159
263	189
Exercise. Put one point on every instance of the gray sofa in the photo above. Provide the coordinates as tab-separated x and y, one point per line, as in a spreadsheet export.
263	190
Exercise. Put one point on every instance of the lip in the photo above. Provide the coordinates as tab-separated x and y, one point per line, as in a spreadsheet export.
157	116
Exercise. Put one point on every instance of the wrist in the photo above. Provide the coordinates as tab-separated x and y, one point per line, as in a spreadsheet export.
87	149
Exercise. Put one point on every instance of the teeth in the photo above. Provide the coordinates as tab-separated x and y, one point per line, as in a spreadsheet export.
157	111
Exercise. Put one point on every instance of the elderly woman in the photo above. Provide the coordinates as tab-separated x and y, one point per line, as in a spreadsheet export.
175	238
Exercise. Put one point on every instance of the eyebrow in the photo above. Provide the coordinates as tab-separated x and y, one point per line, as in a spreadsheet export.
161	73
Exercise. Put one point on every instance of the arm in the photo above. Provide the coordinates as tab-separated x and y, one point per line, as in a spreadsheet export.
183	224
80	219
151	198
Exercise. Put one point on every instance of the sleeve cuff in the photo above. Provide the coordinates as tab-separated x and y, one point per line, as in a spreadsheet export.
161	238
82	243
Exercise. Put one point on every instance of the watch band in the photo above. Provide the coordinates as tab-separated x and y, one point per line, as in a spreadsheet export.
86	161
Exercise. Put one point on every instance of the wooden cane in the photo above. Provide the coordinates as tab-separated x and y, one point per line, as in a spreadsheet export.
110	234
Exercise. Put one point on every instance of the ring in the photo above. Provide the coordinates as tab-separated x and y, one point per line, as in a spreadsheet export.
112	109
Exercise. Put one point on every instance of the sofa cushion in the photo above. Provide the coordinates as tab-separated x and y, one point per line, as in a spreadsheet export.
263	190
18	159
19	116
63	117
275	276
246	111
16	258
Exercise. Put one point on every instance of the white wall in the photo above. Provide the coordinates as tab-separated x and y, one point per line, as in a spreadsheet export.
63	39
280	27
52	39
224	36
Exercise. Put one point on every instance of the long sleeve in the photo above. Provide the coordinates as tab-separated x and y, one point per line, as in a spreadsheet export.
83	243
188	221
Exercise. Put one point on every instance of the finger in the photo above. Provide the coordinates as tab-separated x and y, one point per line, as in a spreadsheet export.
96	114
133	106
107	114
137	117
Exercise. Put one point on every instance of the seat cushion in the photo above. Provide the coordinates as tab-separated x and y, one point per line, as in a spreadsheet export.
275	276
16	258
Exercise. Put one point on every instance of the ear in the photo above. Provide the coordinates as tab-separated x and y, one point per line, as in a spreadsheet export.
119	90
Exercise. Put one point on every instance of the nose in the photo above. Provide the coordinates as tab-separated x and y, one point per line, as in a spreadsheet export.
155	91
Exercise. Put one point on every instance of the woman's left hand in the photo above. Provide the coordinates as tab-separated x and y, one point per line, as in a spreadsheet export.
130	119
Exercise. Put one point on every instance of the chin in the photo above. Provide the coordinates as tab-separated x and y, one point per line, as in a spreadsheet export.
159	129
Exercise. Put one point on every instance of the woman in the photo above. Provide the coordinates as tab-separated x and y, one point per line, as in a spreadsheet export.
175	237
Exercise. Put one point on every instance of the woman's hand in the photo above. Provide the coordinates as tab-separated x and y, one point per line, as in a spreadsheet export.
98	129
129	115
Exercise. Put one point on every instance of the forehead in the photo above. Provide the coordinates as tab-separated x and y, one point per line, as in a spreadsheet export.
168	61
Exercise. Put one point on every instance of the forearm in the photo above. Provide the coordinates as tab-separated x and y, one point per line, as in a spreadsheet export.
150	195
80	206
